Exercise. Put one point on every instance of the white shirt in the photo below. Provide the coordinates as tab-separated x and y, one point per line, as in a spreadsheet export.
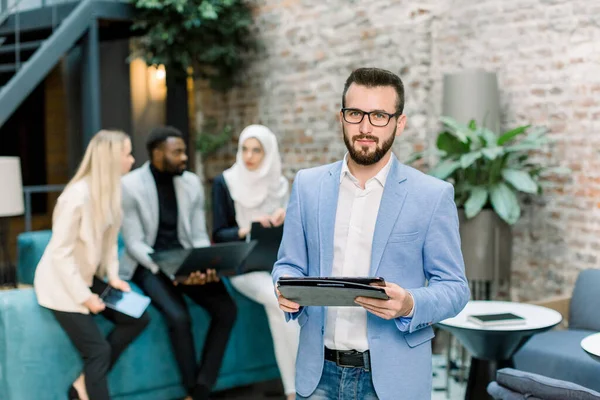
357	209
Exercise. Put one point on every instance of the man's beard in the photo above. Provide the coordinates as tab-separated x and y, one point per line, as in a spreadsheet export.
172	168
364	156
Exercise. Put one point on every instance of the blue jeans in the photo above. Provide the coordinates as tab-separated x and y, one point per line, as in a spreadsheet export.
340	383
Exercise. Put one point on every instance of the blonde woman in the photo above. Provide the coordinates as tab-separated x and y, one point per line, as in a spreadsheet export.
83	251
254	190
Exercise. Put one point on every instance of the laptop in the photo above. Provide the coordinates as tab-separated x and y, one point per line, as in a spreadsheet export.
224	258
264	254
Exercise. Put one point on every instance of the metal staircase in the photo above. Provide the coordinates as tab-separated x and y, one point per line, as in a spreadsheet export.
32	42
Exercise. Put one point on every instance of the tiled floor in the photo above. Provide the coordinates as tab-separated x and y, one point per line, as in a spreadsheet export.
273	391
457	389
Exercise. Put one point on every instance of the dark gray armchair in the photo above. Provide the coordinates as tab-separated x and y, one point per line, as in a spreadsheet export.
557	353
512	384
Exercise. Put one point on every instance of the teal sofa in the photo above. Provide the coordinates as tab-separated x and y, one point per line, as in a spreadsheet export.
37	360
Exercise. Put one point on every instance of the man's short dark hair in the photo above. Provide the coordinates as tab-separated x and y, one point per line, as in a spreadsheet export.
374	77
159	135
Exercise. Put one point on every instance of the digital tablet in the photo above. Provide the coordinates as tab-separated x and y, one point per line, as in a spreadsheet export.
129	303
331	291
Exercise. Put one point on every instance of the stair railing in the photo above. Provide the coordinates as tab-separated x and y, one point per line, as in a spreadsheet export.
5	12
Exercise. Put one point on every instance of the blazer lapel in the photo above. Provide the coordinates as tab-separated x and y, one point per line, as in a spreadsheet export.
391	204
183	207
152	197
328	199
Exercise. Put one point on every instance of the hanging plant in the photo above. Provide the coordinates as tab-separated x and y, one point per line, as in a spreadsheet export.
211	36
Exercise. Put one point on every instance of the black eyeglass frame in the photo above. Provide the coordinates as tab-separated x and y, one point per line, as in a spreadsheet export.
390	116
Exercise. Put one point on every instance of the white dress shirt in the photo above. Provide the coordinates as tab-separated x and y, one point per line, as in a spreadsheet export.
357	209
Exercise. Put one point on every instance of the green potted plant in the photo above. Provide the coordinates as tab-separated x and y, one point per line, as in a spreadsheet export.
208	140
491	173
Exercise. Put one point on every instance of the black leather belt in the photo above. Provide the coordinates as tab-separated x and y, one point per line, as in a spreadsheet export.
349	358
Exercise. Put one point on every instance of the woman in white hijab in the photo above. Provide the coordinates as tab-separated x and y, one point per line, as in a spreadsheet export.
254	190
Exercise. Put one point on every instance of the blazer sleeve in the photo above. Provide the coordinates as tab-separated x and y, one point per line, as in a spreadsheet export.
110	257
133	232
66	224
448	291
225	228
292	259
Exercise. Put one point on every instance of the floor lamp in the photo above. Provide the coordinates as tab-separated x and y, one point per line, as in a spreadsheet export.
11	204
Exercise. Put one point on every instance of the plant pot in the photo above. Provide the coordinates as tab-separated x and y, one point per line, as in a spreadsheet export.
487	251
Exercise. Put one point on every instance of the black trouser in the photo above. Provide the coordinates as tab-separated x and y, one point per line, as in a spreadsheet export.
215	299
99	353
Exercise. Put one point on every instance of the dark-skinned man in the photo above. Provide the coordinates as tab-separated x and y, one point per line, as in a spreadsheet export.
163	209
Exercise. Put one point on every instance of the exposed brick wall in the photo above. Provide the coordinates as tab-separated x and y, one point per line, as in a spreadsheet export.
294	87
547	57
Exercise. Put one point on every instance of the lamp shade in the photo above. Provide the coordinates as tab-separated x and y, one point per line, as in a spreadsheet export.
472	94
11	199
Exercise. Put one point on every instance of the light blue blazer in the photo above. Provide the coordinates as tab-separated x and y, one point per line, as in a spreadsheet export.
416	245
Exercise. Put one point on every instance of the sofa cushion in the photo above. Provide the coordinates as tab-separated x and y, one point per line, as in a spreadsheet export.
535	385
558	354
30	249
501	393
584	309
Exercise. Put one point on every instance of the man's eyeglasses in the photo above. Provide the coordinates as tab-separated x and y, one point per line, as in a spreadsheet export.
376	118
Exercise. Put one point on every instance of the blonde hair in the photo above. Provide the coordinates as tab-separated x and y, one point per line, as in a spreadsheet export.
101	166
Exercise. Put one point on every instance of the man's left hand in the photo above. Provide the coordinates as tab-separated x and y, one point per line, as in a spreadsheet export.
120	285
400	303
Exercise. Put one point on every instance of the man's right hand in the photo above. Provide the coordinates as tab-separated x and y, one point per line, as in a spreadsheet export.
95	304
198	278
285	304
195	278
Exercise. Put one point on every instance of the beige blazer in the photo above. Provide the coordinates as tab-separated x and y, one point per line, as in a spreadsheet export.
74	255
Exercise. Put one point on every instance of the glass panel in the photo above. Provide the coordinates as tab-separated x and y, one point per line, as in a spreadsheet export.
24	4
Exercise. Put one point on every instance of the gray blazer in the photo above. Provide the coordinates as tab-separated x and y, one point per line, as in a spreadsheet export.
141	217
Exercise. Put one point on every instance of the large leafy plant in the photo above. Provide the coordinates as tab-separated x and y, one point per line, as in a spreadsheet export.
210	36
489	169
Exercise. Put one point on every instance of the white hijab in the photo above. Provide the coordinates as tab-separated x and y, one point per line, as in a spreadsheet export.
262	191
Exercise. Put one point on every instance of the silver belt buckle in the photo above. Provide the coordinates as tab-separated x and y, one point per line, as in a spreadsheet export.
367	361
339	363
